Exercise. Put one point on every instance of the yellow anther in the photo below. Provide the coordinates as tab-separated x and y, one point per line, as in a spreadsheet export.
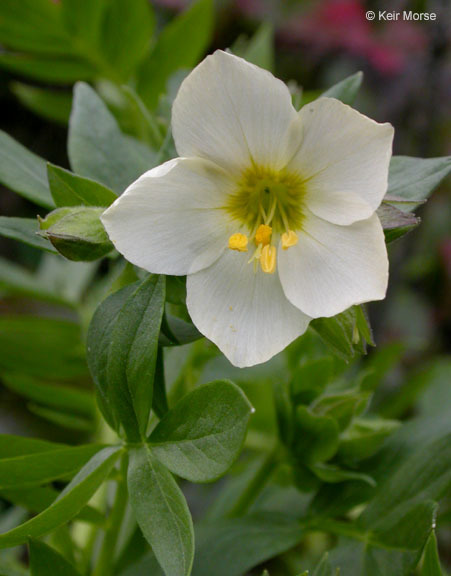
238	242
268	259
263	234
289	239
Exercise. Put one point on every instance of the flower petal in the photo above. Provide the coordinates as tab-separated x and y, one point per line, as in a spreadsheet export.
344	158
233	112
333	267
245	313
170	220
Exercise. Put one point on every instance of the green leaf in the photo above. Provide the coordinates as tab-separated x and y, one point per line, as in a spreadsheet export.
342	407
414	179
51	69
347	333
69	189
33	25
426	475
98	149
50	104
77	232
46	348
180	45
38	498
24	230
431	562
391	546
132	22
346	90
69	503
16	280
83	20
64	398
15	446
364	438
203	434
45	560
395	222
43	467
260	48
161	512
333	474
324	568
23	172
122	351
311	379
232	547
316	437
159	397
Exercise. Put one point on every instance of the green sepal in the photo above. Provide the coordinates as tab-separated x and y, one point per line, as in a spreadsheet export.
77	232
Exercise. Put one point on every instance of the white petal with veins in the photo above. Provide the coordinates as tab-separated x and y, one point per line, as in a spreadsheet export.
334	267
170	220
244	312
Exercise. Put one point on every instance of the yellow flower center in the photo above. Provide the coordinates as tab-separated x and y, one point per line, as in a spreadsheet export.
269	204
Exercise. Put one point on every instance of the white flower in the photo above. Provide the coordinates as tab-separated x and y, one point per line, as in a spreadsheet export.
270	212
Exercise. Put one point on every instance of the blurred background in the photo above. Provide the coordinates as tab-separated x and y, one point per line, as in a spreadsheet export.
316	43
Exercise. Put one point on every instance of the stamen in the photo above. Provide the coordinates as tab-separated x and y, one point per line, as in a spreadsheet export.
238	242
289	239
268	259
263	234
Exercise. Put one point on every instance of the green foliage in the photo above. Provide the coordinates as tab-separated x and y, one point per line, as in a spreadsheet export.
51	104
414	179
197	448
431	562
347	333
346	90
98	149
43	467
122	352
77	232
23	172
179	45
259	49
45	560
46	348
69	503
161	512
69	189
328	449
25	230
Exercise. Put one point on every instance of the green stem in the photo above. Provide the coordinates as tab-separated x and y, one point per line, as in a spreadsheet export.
105	562
255	486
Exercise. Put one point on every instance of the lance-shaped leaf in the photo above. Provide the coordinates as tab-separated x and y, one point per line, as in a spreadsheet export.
98	149
347	333
414	179
69	189
180	45
122	352
38	468
23	172
234	546
38	498
395	222
203	434
77	232
161	512
69	503
45	560
431	562
347	89
24	230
